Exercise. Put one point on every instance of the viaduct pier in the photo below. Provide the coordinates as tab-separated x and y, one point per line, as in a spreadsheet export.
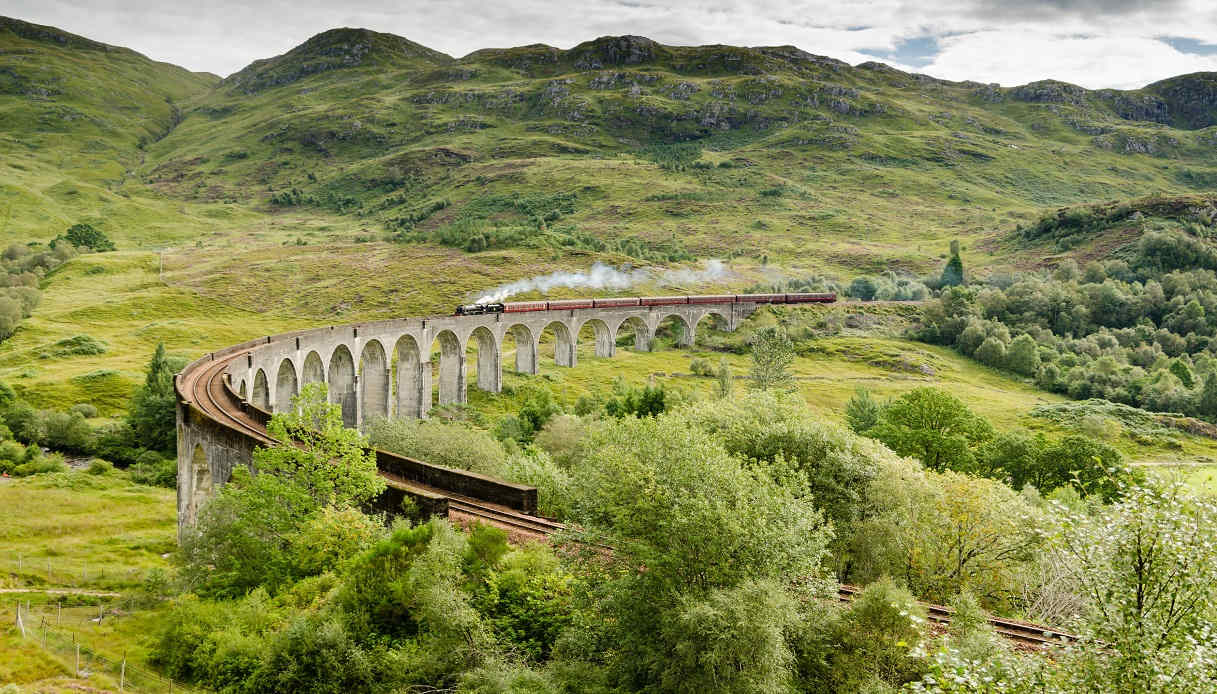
385	369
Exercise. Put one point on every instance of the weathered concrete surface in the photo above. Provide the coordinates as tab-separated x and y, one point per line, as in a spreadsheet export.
384	369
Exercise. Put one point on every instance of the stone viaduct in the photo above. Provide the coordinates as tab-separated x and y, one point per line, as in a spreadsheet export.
385	369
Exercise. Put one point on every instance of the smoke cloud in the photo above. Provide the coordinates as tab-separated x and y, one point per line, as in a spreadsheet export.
602	276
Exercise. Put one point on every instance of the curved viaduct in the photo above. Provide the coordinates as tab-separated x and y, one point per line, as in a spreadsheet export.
385	369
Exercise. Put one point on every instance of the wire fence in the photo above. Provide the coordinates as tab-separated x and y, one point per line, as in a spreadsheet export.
47	628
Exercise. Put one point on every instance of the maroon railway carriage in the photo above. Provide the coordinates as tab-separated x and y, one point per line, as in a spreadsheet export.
521	306
570	304
811	298
663	300
619	302
712	299
760	298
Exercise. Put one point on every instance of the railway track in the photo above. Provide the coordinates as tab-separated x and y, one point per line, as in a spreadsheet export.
1022	633
211	394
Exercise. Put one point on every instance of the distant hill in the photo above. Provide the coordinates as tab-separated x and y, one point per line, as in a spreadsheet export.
620	146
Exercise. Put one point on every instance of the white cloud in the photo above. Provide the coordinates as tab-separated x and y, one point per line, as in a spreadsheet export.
982	40
1014	57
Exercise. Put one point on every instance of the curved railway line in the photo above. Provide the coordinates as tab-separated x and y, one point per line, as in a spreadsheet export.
205	387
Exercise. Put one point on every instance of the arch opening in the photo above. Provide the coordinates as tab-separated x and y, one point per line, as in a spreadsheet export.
524	346
261	393
633	330
556	339
342	385
489	362
374	381
672	329
314	369
413	381
286	386
242	390
594	338
711	327
451	367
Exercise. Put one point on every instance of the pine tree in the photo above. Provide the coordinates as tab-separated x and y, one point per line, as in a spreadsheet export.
952	274
153	412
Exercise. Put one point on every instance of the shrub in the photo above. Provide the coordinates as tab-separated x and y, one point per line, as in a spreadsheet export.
97	466
41	466
154	471
84	409
86	236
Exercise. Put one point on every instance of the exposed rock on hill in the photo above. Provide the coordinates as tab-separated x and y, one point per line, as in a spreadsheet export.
334	50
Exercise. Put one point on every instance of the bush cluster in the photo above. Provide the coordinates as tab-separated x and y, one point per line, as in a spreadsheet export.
1139	332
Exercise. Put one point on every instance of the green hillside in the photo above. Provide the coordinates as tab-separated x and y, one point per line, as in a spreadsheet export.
363	175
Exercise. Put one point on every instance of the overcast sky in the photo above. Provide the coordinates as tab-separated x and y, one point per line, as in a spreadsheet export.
1094	43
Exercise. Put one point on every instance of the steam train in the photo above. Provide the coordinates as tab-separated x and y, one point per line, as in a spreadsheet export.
572	304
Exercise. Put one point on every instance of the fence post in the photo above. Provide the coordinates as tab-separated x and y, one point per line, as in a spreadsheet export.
122	675
58	613
20	624
77	656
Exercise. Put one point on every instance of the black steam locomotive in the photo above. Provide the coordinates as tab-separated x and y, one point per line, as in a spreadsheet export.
478	309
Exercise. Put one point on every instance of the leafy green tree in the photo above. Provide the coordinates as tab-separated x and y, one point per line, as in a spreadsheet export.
84	235
1146	569
152	414
732	640
991	352
250	533
1023	356
726	381
861	412
1207	402
863	288
933	426
705	524
634	401
941	533
772	355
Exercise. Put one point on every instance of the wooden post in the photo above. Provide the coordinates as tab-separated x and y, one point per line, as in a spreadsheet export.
77	656
122	675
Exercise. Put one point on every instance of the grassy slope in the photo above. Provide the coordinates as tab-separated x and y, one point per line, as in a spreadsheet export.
875	169
74	532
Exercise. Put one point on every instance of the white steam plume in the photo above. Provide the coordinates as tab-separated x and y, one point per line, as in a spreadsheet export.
602	276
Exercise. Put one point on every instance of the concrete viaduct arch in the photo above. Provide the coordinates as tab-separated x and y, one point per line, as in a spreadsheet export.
386	369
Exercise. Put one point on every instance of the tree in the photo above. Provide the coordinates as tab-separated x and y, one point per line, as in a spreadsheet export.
991	352
86	236
1207	403
772	355
933	426
1023	356
253	531
861	412
863	288
952	274
943	533
726	381
152	415
1147	570
705	526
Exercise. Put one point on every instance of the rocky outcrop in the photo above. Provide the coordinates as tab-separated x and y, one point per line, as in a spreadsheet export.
333	50
1191	99
1049	92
